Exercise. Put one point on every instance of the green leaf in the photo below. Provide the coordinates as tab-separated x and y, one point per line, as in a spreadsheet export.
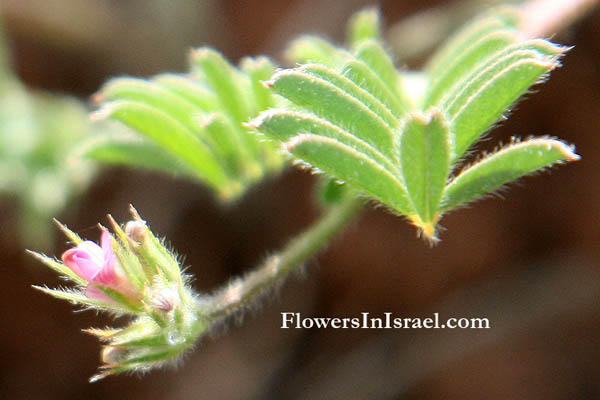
332	103
378	59
364	77
224	80
191	90
508	164
151	94
464	63
424	150
354	112
259	69
392	134
484	99
353	89
536	48
364	25
350	166
374	55
132	151
176	113
229	147
169	134
283	124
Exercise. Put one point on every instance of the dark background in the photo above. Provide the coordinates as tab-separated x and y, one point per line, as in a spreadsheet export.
529	263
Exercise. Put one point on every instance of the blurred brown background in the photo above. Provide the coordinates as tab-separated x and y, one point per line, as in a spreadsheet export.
529	263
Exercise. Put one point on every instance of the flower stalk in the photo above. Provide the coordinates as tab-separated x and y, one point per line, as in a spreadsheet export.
131	273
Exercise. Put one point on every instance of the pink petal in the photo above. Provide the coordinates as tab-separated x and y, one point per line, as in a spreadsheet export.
80	262
107	275
94	251
106	243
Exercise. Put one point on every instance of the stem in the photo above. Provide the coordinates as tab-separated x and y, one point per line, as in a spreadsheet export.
276	268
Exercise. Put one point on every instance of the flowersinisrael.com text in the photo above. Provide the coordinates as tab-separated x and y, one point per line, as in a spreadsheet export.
292	320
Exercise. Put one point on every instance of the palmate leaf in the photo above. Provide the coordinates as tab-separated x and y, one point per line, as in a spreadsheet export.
191	125
170	134
353	119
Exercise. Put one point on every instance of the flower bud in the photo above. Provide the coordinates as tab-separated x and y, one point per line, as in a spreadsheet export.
98	265
166	299
111	355
136	230
131	273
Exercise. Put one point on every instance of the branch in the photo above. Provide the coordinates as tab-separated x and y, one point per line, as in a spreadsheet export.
241	291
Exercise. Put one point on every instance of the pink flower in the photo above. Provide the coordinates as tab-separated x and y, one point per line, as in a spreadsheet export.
98	266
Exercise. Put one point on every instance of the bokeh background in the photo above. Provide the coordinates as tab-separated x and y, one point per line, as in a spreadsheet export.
530	262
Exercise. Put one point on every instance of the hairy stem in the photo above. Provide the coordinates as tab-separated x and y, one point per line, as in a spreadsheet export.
277	267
